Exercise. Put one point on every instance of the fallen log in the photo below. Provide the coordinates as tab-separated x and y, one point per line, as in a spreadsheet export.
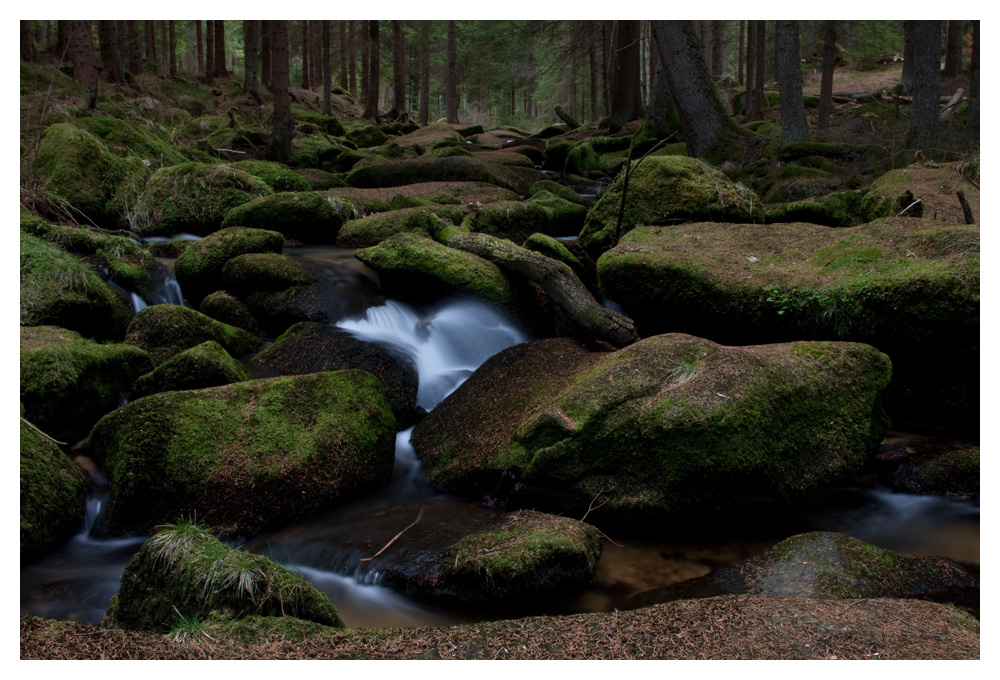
558	281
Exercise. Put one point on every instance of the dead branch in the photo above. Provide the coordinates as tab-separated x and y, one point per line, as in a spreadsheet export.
394	538
966	208
41	433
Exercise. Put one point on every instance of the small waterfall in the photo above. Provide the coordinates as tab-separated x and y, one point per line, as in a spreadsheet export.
138	304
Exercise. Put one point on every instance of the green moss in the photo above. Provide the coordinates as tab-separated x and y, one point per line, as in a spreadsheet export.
77	167
426	221
459	169
328	124
559	190
366	136
204	365
308	216
223	307
583	160
841	209
264	271
123	138
551	247
167	330
199	267
276	175
129	264
73	238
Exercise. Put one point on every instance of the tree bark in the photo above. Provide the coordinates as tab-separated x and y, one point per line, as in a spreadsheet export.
926	84
342	27
759	52
661	100
164	46
352	41
706	123
718	55
905	85
794	127
425	72
220	49
84	59
592	58
451	85
826	78
150	41
108	34
209	50
374	76
305	54
398	68
172	64
739	60
200	66
327	75
972	124
626	103
594	321
28	50
953	49
281	136
266	76
251	39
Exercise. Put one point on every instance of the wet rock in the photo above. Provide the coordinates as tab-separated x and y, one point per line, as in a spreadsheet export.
307	216
204	365
906	286
245	456
183	574
954	473
667	190
435	222
277	310
672	425
60	289
68	382
315	347
199	267
167	330
832	566
52	494
226	308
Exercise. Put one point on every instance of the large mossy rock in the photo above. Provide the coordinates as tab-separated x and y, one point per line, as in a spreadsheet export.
417	266
315	347
829	565
454	169
193	198
921	190
307	216
183	574
381	199
245	456
667	190
277	176
204	365
68	382
264	271
436	222
167	330
906	286
129	264
199	268
517	220
671	425
52	494
60	289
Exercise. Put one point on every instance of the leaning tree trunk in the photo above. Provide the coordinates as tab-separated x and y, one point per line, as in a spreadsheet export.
592	320
705	121
794	127
281	136
926	84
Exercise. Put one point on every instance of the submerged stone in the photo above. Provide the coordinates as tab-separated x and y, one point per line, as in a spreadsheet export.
245	456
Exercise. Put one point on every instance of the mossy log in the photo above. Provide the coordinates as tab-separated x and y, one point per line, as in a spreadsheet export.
558	280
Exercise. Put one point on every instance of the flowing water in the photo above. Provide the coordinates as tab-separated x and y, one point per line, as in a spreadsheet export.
446	342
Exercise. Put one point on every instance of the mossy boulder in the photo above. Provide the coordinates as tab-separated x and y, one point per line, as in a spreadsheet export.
457	169
183	574
827	565
516	220
565	218
307	216
199	268
556	189
123	138
667	190
921	190
52	494
204	365
671	426
954	473
583	160
415	264
383	199
70	237
68	382
436	222
320	180
60	289
429	135
246	456
328	124
277	176
167	330
366	136
193	198
129	264
558	250
227	308
839	209
264	271
906	286
314	347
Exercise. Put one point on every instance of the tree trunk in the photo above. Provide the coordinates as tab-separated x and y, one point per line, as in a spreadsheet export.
209	50
200	66
365	59
81	51
661	100
172	65
133	49
305	54
281	136
316	57
905	85
926	84
28	50
425	72
592	58
342	27
62	40
953	49
706	123
593	321
398	69
626	104
826	78
794	127
150	41
352	66
220	49
739	59
265	54
374	75
749	102
251	39
972	126
108	34
760	39
164	46
606	65
718	30
451	86
327	76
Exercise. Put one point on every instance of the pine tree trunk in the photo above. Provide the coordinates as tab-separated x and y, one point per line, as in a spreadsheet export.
451	85
749	102
172	30
281	136
132	47
760	61
150	41
926	84
972	126
108	34
398	68
316	58
365	59
718	55
352	66
739	59
164	46
826	78
200	66
28	50
81	51
605	65
425	72
209	50
305	54
342	26
265	54
626	103
794	127
327	76
592	58
251	39
905	85
374	75
220	49
953	49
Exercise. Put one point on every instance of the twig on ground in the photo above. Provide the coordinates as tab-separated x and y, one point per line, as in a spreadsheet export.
394	538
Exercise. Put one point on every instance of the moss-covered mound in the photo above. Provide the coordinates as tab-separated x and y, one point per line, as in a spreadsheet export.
245	456
315	347
182	575
382	199
129	264
429	135
123	138
320	180
426	221
68	383
307	216
516	220
264	271
906	286
167	330
59	289
199	268
204	365
839	209
277	176
670	425
70	237
558	250
52	494
366	136
668	190
830	565
418	266
224	307
921	190
193	198
955	473
456	169
559	190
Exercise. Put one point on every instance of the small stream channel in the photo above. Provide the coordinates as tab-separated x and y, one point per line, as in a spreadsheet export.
446	342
